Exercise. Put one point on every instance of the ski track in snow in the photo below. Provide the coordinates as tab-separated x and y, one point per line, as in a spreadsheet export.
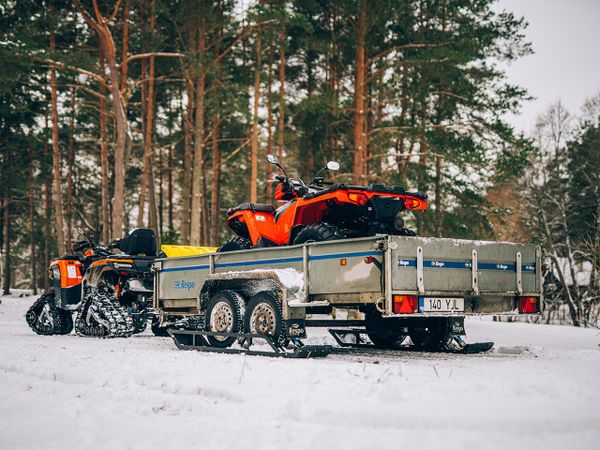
539	388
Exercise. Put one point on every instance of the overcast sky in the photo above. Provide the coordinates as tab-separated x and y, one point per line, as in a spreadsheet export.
565	35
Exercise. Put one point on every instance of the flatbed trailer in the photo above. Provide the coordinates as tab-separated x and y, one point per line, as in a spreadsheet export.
398	286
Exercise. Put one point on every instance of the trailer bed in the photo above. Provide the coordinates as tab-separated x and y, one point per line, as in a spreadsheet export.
487	276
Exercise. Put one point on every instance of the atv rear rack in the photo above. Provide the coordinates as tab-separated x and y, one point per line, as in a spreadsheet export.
196	340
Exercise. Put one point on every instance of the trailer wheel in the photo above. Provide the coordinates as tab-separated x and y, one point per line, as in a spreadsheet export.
264	316
236	243
224	313
433	335
383	333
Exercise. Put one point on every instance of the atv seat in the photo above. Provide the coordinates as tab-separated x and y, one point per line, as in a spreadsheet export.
140	241
254	207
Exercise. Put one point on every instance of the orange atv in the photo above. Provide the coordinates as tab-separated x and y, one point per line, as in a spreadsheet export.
320	211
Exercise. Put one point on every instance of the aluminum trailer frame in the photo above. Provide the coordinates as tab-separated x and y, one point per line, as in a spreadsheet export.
355	273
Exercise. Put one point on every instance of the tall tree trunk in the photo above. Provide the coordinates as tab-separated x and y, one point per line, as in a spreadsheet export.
268	167
187	166
57	188
148	152
359	113
254	156
144	110
71	163
198	180
47	212
170	188
6	279
216	175
422	176
280	134
105	203
32	228
438	196
333	86
160	205
125	47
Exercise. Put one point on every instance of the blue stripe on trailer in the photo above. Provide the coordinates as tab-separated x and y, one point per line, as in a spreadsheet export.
343	255
260	261
509	267
407	263
273	261
436	264
181	269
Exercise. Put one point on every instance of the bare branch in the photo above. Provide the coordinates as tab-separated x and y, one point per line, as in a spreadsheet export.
114	13
60	65
148	55
90	21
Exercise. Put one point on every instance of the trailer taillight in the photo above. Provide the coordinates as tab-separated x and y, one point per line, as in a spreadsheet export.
404	304
528	305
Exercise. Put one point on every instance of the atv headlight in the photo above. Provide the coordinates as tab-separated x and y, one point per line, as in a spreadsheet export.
398	223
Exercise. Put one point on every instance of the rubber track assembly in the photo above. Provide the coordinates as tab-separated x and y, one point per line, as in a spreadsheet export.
100	316
46	319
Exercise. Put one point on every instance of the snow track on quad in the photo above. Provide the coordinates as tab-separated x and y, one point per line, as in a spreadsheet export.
100	316
44	318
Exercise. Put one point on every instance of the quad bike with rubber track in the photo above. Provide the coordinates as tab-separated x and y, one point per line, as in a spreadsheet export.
110	293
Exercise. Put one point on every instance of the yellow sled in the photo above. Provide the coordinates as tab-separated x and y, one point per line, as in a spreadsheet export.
174	251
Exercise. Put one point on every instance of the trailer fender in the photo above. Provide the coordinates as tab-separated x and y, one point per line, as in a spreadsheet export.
287	282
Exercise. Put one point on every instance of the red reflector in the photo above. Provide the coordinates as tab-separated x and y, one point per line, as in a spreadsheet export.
404	304
361	199
413	203
528	305
369	259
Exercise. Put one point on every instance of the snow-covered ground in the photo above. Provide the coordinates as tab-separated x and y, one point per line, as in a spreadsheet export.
539	388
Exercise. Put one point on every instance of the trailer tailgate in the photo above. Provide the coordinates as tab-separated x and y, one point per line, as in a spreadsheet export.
457	266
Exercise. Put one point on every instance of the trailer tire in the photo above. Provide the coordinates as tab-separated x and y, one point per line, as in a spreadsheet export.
236	243
224	313
383	333
264	316
317	232
432	336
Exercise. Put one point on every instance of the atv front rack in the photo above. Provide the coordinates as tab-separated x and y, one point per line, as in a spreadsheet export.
196	340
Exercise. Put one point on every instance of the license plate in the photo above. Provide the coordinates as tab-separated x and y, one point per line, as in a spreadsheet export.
441	304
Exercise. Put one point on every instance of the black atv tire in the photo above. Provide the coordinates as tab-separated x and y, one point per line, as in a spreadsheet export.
106	319
228	308
50	321
236	243
264	316
317	232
